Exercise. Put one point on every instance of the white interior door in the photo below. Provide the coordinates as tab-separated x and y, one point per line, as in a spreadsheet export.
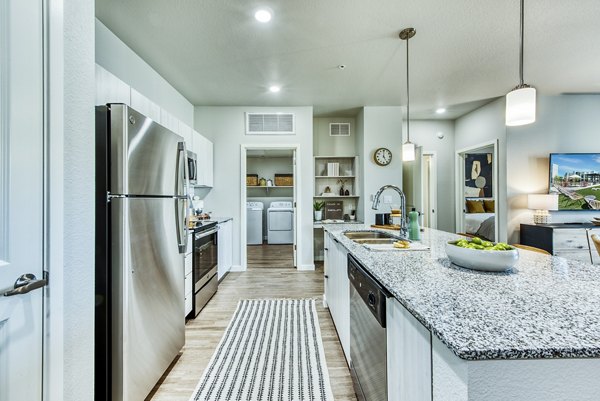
412	173
21	199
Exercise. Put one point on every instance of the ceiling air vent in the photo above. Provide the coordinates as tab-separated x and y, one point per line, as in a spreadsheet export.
339	129
270	123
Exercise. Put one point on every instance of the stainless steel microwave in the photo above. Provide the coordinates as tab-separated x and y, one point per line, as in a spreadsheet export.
192	167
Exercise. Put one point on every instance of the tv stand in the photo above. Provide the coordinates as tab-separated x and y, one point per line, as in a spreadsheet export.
569	240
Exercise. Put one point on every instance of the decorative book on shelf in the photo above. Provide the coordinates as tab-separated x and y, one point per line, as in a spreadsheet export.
334	210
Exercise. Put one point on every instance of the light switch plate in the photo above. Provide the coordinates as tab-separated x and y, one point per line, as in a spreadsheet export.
387	199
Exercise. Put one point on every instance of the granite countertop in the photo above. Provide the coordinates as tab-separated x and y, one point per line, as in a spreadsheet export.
546	307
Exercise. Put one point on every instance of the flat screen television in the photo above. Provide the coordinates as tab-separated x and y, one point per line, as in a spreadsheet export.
575	177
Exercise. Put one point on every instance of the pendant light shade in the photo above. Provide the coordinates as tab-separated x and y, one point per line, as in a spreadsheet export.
520	102
520	106
408	148
408	152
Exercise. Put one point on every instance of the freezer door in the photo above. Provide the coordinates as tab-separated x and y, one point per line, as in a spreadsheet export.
148	294
145	157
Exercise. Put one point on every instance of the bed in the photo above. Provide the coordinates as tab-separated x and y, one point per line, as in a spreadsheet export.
481	224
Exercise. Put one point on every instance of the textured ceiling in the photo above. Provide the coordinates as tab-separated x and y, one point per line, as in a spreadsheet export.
465	51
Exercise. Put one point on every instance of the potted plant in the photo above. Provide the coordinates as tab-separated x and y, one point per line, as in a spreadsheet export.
318	206
342	182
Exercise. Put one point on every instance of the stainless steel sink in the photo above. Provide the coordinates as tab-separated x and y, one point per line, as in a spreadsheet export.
375	241
369	235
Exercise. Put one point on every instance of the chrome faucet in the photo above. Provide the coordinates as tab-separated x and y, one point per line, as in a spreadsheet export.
375	206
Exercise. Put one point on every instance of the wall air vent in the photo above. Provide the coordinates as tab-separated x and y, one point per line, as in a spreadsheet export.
339	129
270	124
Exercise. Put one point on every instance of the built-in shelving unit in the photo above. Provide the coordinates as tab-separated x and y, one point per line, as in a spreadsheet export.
347	171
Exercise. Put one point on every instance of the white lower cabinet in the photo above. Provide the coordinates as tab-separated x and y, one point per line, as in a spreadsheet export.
337	290
225	241
409	355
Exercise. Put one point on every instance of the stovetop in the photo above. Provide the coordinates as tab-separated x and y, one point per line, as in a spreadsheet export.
201	225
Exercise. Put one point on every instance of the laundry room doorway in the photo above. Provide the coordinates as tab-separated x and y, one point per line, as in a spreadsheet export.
269	202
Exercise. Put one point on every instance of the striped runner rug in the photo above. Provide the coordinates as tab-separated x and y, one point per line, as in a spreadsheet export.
271	350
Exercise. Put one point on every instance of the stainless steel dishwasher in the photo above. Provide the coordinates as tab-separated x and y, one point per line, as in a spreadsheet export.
368	341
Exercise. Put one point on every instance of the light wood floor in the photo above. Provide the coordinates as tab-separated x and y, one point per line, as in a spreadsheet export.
270	256
204	333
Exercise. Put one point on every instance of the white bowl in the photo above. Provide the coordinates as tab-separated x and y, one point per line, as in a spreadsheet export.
476	259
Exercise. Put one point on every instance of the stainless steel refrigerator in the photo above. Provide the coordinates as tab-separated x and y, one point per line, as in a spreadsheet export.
141	234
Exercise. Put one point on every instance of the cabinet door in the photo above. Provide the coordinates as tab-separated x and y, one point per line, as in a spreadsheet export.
408	355
343	299
208	179
110	89
326	272
144	105
186	132
198	146
169	121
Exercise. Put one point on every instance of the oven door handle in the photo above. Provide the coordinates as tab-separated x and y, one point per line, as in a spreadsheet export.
206	234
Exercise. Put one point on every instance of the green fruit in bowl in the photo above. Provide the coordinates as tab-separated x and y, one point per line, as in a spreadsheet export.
482	245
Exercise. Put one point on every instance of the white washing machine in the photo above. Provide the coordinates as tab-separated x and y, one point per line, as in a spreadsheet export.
254	223
280	223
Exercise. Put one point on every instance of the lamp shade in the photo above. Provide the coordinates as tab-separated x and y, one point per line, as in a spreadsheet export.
542	202
408	152
520	106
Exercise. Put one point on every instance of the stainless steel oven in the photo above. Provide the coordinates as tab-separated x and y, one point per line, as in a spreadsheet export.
205	261
368	339
192	160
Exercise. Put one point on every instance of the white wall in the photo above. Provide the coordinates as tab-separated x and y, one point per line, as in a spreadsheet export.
483	125
326	145
116	57
79	178
424	134
226	127
378	127
565	124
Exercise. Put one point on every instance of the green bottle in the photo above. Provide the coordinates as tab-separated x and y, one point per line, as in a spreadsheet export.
414	231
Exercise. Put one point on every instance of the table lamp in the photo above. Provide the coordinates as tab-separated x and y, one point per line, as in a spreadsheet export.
542	203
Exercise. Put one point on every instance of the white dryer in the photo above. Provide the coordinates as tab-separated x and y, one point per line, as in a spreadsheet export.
280	223
254	223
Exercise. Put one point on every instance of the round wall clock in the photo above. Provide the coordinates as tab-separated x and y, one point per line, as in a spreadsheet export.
382	156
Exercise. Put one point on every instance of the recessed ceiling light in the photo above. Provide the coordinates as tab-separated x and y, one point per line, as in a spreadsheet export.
274	88
441	110
263	15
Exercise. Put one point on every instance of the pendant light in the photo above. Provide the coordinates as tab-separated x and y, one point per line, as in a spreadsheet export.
520	102
408	148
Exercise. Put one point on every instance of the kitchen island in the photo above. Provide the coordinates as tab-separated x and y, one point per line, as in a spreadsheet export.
532	333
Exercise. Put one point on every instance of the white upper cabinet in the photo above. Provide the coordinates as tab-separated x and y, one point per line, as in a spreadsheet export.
110	89
186	132
204	152
145	106
169	121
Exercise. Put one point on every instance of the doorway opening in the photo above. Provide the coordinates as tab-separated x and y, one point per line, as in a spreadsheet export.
477	191
419	183
429	185
270	205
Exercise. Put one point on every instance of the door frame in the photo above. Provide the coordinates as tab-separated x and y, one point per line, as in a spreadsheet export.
460	181
432	186
297	201
53	346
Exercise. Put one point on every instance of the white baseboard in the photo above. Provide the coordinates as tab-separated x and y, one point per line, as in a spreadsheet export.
307	267
237	268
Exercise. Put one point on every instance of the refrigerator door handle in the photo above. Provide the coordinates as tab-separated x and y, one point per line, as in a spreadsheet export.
181	171
181	224
180	190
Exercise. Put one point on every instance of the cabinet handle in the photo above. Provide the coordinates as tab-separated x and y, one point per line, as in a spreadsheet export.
325	249
326	276
336	240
